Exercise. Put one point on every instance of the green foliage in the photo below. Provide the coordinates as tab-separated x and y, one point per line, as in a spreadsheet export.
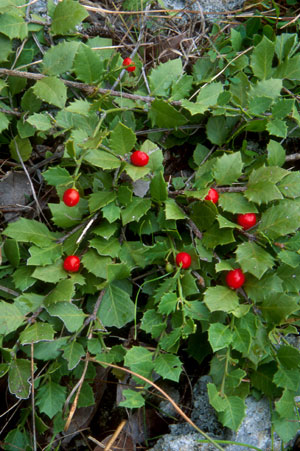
131	222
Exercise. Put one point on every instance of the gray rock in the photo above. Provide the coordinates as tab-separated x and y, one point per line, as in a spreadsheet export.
255	429
207	6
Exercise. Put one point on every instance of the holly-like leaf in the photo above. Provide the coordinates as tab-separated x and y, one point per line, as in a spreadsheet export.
102	159
280	219
18	378
289	356
216	236
285	406
59	58
22	147
67	14
56	176
99	199
262	57
254	259
290	185
109	247
219	336
13	26
51	90
134	399
158	188
228	168
287	379
276	153
168	366
207	97
162	77
135	210
277	307
50	273
87	65
40	121
10	318
37	332
122	139
63	292
50	398
221	299
163	114
71	315
153	323
173	211
168	303
73	352
42	256
116	308
234	412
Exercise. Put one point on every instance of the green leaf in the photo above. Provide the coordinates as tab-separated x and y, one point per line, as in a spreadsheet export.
12	251
64	216
134	399
280	220
277	307
139	360
168	303
13	26
56	176
100	199
254	259
265	89
168	366
10	318
136	172
59	58
290	185
5	50
285	44
50	273
287	379
72	353
40	121
42	256
109	247
276	153
158	188
162	77
282	108
67	14
152	323
137	209
277	127
181	87
228	168
51	89
261	186
221	299
21	146
289	356
219	336
262	57
116	308
63	292
290	69
163	114
22	278
4	121
234	412
71	315
285	406
87	65
18	376
80	106
215	236
217	130
117	271
286	429
207	97
37	332
262	379
218	402
241	340
290	277
102	159
236	203
122	139
95	263
173	211
50	398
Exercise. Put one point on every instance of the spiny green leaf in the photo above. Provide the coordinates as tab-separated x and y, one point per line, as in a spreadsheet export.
59	58
67	14
219	336
18	378
262	57
37	332
50	398
122	139
116	308
221	299
51	90
254	259
168	366
162	77
71	315
13	26
10	318
73	352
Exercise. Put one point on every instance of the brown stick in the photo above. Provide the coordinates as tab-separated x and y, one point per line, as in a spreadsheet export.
83	86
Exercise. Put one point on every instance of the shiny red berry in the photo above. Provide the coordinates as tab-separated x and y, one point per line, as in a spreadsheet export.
184	259
71	197
235	278
247	220
212	195
139	158
72	263
129	64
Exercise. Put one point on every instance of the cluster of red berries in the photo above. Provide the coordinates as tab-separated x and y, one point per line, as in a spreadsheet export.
129	64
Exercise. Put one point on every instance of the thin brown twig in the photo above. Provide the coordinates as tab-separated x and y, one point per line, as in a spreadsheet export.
171	401
83	86
115	435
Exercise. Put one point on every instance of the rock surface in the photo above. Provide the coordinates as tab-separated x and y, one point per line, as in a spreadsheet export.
255	429
208	7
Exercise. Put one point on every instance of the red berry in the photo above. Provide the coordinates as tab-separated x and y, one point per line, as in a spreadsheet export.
184	259
71	197
247	220
130	64
72	263
235	278
213	195
139	158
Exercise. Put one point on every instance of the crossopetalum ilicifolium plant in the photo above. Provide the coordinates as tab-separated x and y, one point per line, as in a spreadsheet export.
130	222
